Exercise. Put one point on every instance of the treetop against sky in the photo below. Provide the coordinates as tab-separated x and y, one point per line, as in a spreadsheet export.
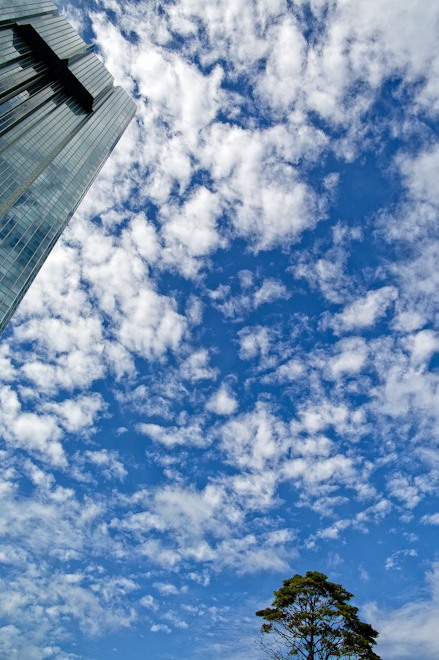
227	371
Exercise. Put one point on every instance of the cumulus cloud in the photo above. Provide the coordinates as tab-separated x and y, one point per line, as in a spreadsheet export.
163	407
223	401
254	341
150	325
419	174
160	627
254	439
364	312
287	372
270	290
170	436
350	357
430	519
13	642
149	602
38	433
422	346
411	628
108	463
196	367
168	589
192	229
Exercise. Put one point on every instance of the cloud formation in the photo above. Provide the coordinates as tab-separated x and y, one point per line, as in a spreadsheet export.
226	371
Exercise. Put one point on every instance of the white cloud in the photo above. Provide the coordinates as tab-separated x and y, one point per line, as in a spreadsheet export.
202	165
287	372
402	487
422	346
251	554
196	368
75	16
192	435
268	201
392	561
350	357
175	619
150	325
312	472
188	510
36	433
223	402
14	643
364	312
405	388
430	519
411	630
144	236
237	307
322	414
79	413
254	341
270	290
108	462
149	602
160	627
255	439
281	83
326	274
166	588
191	229
420	175
7	369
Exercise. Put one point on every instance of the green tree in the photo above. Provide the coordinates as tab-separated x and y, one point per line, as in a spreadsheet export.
311	619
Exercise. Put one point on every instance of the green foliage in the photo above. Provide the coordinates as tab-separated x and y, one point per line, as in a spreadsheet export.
311	619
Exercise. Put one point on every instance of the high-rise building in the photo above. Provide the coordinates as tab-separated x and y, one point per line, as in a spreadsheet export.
60	118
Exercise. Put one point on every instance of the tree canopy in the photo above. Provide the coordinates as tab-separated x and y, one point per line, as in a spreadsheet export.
311	619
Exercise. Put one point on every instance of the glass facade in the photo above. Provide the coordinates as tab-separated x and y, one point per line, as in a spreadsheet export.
60	118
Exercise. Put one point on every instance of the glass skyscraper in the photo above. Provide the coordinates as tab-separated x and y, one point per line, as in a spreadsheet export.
60	118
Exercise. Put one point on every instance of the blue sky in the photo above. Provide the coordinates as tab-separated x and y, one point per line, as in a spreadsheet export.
227	371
